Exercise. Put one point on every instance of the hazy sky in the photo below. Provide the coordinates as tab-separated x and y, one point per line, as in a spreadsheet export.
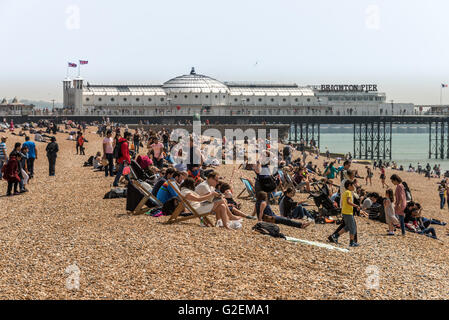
401	45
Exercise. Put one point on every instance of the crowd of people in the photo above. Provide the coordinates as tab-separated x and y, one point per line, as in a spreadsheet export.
201	185
17	167
187	165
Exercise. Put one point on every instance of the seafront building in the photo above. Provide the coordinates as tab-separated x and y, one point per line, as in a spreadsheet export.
15	108
195	93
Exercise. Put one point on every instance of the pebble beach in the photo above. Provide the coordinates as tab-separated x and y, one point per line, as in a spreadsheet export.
64	221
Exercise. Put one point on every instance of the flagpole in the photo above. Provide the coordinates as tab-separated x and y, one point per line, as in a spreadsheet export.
441	95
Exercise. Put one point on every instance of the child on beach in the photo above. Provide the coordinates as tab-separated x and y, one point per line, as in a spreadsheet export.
389	212
369	176
441	192
347	211
383	177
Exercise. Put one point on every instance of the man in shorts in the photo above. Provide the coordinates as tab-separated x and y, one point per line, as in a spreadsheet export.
347	211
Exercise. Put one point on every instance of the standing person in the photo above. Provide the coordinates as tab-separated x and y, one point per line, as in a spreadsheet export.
400	200
24	169
136	141
165	139
347	211
52	153
32	155
123	157
78	134
390	215
369	176
158	155
81	143
287	154
108	153
11	174
441	192
383	177
3	154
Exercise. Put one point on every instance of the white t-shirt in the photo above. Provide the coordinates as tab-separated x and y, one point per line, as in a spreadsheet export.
204	188
200	207
367	204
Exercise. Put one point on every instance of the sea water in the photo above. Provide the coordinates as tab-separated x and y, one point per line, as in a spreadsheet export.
408	148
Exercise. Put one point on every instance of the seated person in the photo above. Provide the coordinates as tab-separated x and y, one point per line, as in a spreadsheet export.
166	192
166	174
264	212
202	205
233	206
420	226
39	138
291	209
301	178
370	200
97	162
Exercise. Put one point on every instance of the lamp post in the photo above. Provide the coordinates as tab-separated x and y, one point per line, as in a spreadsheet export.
392	107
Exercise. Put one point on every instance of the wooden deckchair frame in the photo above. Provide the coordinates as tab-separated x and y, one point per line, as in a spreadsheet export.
142	206
185	205
249	196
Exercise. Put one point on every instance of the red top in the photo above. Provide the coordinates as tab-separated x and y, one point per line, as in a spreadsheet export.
11	170
125	151
81	141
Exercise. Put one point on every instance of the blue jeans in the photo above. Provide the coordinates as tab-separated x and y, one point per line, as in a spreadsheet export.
428	231
402	222
119	174
428	222
2	162
442	200
299	212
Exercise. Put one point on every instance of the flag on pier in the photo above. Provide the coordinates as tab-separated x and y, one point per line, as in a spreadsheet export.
82	62
72	65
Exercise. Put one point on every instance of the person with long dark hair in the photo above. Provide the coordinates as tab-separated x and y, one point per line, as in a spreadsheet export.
400	200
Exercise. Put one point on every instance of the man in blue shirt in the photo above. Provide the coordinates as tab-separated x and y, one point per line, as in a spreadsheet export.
166	192
32	155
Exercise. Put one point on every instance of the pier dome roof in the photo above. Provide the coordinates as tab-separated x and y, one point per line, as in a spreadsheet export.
195	83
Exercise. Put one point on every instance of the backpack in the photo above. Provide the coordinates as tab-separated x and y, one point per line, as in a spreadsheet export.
170	206
116	193
270	229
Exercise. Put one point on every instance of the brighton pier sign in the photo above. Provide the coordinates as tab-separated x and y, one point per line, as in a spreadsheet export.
348	88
